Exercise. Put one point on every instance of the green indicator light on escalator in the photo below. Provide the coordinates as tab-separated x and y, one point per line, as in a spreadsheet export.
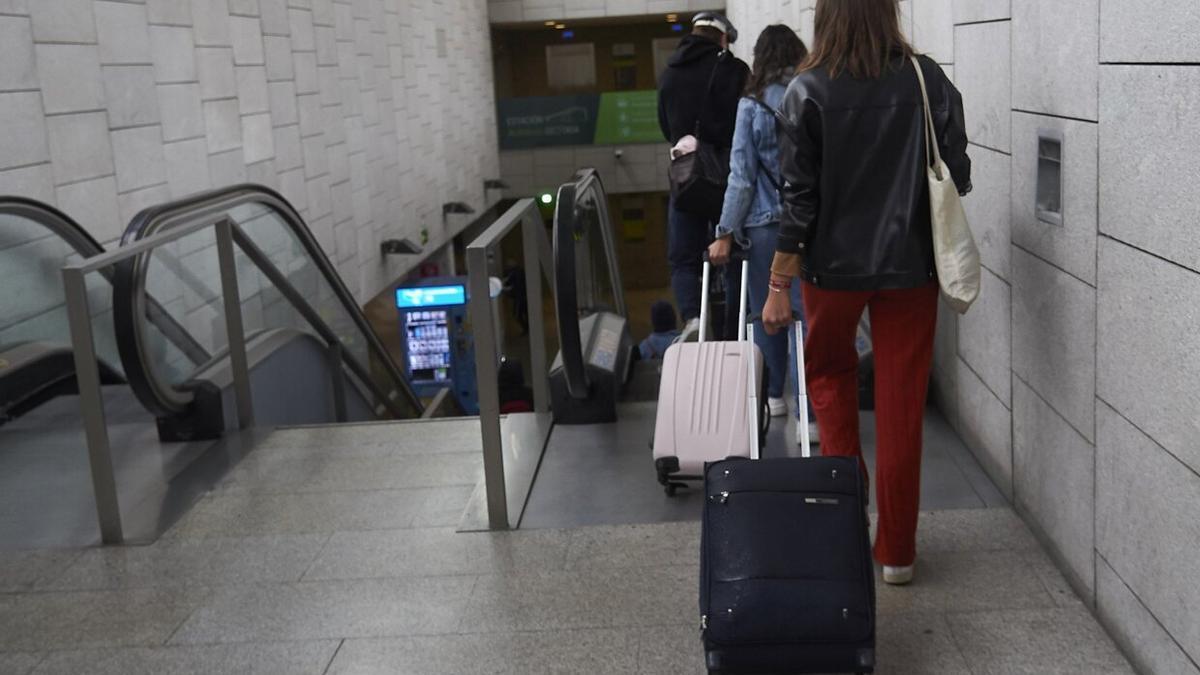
547	197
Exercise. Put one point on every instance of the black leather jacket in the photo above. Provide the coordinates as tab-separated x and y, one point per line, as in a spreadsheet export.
856	197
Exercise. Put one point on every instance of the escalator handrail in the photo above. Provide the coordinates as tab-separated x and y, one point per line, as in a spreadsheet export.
54	220
79	239
569	339
585	179
566	226
130	279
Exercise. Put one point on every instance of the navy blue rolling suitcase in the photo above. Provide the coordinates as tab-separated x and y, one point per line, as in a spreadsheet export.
787	583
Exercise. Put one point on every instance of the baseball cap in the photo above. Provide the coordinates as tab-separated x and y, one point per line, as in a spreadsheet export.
718	21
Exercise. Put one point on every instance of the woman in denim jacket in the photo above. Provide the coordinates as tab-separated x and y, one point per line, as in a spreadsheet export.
750	217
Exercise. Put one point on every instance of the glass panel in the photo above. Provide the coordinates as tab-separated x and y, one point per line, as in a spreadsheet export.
33	306
596	290
184	277
264	306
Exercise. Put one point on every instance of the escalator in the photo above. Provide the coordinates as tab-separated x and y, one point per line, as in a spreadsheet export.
45	491
35	356
166	371
313	358
596	356
36	362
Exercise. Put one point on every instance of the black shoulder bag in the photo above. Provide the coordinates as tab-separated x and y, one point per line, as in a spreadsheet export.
698	179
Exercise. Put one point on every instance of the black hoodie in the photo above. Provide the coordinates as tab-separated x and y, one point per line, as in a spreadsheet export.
682	92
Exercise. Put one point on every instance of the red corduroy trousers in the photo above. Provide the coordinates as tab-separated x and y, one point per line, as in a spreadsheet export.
903	323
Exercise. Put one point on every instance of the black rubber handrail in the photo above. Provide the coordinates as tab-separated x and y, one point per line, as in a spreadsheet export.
129	292
37	372
67	229
565	291
568	226
54	220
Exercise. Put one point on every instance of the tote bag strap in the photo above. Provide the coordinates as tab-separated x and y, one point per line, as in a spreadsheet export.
933	155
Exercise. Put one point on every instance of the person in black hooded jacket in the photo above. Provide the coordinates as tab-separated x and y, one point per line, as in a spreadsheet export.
682	98
685	104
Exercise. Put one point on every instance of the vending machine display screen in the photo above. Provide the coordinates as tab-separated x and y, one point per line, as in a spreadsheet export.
428	335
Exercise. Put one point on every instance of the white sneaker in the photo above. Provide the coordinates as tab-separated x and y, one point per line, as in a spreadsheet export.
778	407
814	438
897	576
690	332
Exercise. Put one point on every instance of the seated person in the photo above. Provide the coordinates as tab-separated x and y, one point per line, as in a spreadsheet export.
662	318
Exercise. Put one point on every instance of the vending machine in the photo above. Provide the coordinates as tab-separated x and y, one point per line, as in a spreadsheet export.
438	347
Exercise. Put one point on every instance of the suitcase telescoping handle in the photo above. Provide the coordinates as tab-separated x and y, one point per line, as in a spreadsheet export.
801	389
801	384
736	255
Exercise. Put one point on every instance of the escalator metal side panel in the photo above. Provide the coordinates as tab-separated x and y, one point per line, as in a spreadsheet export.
607	359
291	380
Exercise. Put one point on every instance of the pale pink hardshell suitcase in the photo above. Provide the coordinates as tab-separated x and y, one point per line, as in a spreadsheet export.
708	401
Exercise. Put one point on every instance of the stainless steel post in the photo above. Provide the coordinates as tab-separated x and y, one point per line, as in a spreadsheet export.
91	403
487	375
233	323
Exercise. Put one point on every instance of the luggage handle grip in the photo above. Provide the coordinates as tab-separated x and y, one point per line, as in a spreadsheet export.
743	305
736	254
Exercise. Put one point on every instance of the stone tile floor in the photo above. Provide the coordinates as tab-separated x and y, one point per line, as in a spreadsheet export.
310	560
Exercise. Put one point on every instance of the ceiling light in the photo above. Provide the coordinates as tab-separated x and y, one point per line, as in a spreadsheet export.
560	26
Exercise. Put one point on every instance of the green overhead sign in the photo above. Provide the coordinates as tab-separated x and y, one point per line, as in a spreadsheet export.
628	117
611	118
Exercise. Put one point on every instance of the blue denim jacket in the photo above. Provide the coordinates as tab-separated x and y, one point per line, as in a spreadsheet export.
750	198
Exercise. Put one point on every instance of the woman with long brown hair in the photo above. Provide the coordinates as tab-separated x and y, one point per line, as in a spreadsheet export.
750	214
856	231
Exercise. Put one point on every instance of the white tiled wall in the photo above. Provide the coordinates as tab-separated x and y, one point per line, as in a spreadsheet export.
347	107
1074	378
751	16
